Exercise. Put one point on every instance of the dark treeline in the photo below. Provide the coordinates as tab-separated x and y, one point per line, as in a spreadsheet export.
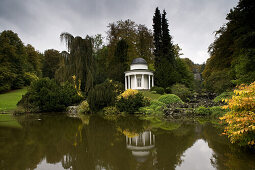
92	61
19	64
232	60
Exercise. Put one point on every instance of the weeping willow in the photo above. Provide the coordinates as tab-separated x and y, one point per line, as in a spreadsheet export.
78	61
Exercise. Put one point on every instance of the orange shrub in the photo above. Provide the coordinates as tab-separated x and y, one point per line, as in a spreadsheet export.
241	117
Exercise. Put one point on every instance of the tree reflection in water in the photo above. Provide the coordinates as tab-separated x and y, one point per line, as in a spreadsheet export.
124	143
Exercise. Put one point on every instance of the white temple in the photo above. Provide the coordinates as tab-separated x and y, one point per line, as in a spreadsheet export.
139	77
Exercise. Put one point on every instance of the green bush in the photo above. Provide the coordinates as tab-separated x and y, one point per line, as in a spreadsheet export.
154	108
30	77
201	110
224	95
159	90
169	99
155	104
84	107
132	103
153	88
103	95
168	90
217	111
45	95
182	91
110	110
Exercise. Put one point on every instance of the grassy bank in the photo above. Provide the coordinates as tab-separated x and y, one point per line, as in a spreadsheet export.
9	100
152	96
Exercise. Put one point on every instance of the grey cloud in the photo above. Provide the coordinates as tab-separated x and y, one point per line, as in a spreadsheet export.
40	22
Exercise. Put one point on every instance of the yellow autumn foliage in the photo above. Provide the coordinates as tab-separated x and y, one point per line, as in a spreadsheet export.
127	93
240	119
79	85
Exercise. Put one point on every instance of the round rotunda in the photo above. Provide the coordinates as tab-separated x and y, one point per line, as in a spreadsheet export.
139	76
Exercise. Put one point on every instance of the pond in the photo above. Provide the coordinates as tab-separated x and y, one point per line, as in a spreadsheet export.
52	142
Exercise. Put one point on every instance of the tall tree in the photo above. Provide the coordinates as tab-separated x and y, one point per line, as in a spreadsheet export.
145	43
138	37
165	67
80	60
120	61
51	63
33	59
157	35
12	61
167	45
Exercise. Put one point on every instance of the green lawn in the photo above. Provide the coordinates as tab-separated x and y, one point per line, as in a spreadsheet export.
152	96
9	100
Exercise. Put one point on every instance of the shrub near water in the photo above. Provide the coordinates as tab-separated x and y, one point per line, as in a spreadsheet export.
203	111
157	105
84	107
46	95
103	95
224	95
217	111
182	91
155	108
130	101
169	99
241	117
111	110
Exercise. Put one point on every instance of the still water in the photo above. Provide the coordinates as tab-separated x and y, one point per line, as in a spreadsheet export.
52	142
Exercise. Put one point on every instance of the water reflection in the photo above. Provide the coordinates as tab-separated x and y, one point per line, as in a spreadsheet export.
192	157
142	146
126	143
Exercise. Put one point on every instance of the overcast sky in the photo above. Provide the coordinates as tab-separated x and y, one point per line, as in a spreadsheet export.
40	22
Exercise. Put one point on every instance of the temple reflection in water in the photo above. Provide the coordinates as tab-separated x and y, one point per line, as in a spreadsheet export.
142	146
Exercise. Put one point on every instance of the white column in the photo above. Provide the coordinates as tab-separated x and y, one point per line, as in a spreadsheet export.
125	82
152	80
143	135
149	82
129	82
135	86
150	137
142	83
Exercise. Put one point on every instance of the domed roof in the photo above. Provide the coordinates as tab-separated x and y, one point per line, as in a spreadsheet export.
139	61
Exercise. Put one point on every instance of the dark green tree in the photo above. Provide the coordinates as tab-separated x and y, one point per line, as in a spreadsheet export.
157	34
79	61
12	61
119	65
138	37
165	64
232	52
51	63
33	60
145	43
167	45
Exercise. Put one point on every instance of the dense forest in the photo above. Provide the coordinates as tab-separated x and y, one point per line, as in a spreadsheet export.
231	62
